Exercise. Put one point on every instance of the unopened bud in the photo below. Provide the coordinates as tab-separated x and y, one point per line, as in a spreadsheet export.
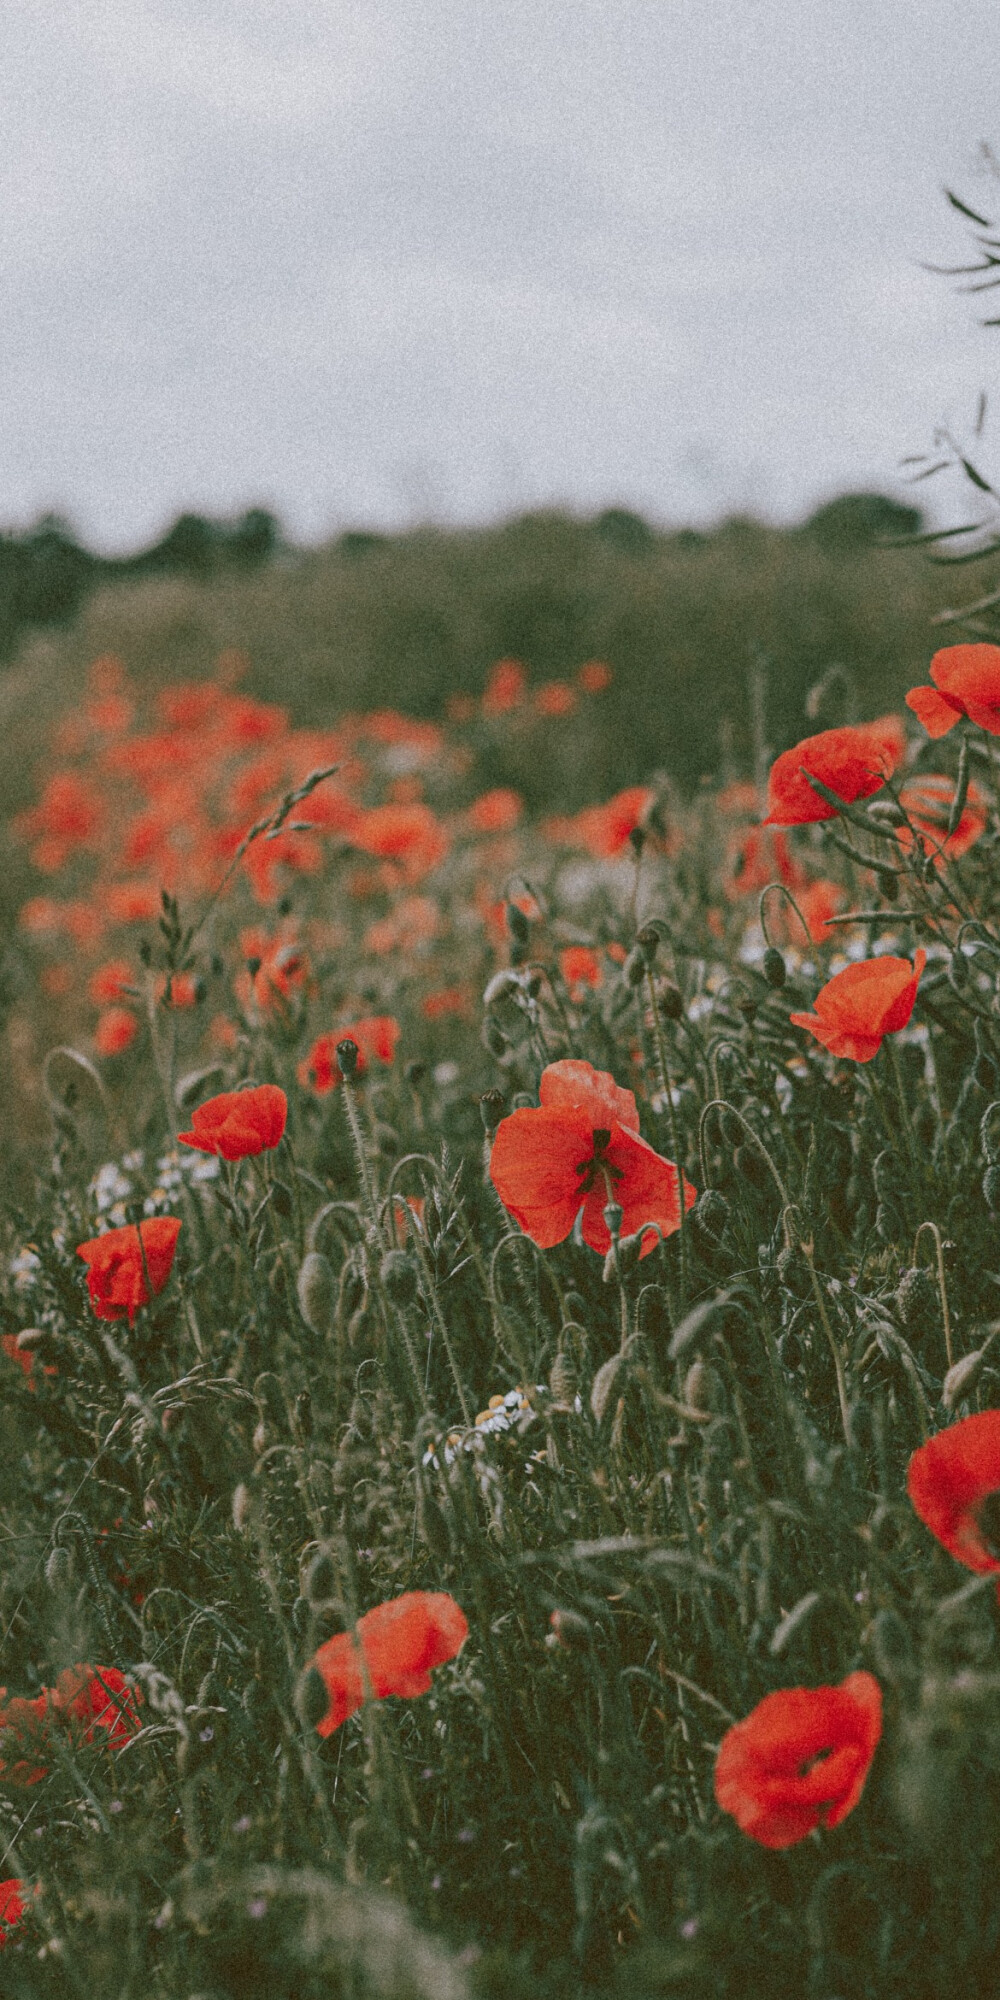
648	940
29	1338
399	1277
347	1057
696	1386
634	968
491	1106
503	986
321	1579
59	1569
671	1001
773	968
991	1187
517	923
241	1506
961	1379
316	1289
888	885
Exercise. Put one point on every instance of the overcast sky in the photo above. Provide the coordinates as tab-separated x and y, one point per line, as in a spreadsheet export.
369	261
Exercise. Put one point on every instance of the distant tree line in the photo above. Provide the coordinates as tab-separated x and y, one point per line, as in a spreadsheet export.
46	574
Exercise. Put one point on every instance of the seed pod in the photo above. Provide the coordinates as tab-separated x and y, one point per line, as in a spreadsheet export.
311	1698
634	968
648	941
773	968
399	1278
321	1579
491	1107
316	1288
59	1569
671	1001
347	1057
614	1216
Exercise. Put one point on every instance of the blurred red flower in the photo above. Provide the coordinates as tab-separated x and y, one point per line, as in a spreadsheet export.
118	1263
800	1759
375	1039
966	682
580	967
87	1699
928	800
555	698
106	984
497	811
954	1484
582	1148
409	835
604	830
116	1030
854	762
594	676
237	1123
505	687
395	1647
12	1906
860	1005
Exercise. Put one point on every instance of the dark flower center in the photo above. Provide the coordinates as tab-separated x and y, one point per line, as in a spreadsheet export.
819	1757
598	1170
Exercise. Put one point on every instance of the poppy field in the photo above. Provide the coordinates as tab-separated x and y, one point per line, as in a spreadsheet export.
500	1416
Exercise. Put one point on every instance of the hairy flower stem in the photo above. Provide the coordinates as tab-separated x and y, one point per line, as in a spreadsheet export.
666	1086
361	1156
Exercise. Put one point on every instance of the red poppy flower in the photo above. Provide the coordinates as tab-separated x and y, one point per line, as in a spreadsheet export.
928	800
497	811
410	835
800	1759
116	1029
604	830
118	1264
858	1006
582	1148
954	1481
966	682
555	698
98	1699
238	1122
854	762
106	985
12	1906
375	1039
398	1643
580	967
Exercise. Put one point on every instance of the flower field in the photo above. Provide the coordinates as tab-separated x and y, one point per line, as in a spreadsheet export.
500	1417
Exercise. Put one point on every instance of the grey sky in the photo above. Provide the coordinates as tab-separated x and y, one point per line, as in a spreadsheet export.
373	260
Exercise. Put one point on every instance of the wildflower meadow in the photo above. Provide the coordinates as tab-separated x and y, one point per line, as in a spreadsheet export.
500	1377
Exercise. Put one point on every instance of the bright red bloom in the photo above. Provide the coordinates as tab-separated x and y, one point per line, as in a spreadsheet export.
69	814
800	1759
954	1481
98	1698
12	1906
375	1039
116	1030
582	1148
106	985
854	762
966	682
858	1006
398	1643
604	830
238	1122
117	1265
928	800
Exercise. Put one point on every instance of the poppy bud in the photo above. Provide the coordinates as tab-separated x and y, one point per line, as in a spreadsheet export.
634	968
533	985
399	1278
698	1384
241	1507
648	940
751	1165
494	1037
563	1379
491	1106
321	1578
347	1057
517	923
671	1001
260	1439
29	1338
888	885
602	1385
315	1288
520	951
624	1253
991	1187
59	1569
415	1072
773	968
709	1214
311	1698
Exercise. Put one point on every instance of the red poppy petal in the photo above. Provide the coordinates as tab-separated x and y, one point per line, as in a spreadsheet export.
645	1185
534	1166
937	714
576	1086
